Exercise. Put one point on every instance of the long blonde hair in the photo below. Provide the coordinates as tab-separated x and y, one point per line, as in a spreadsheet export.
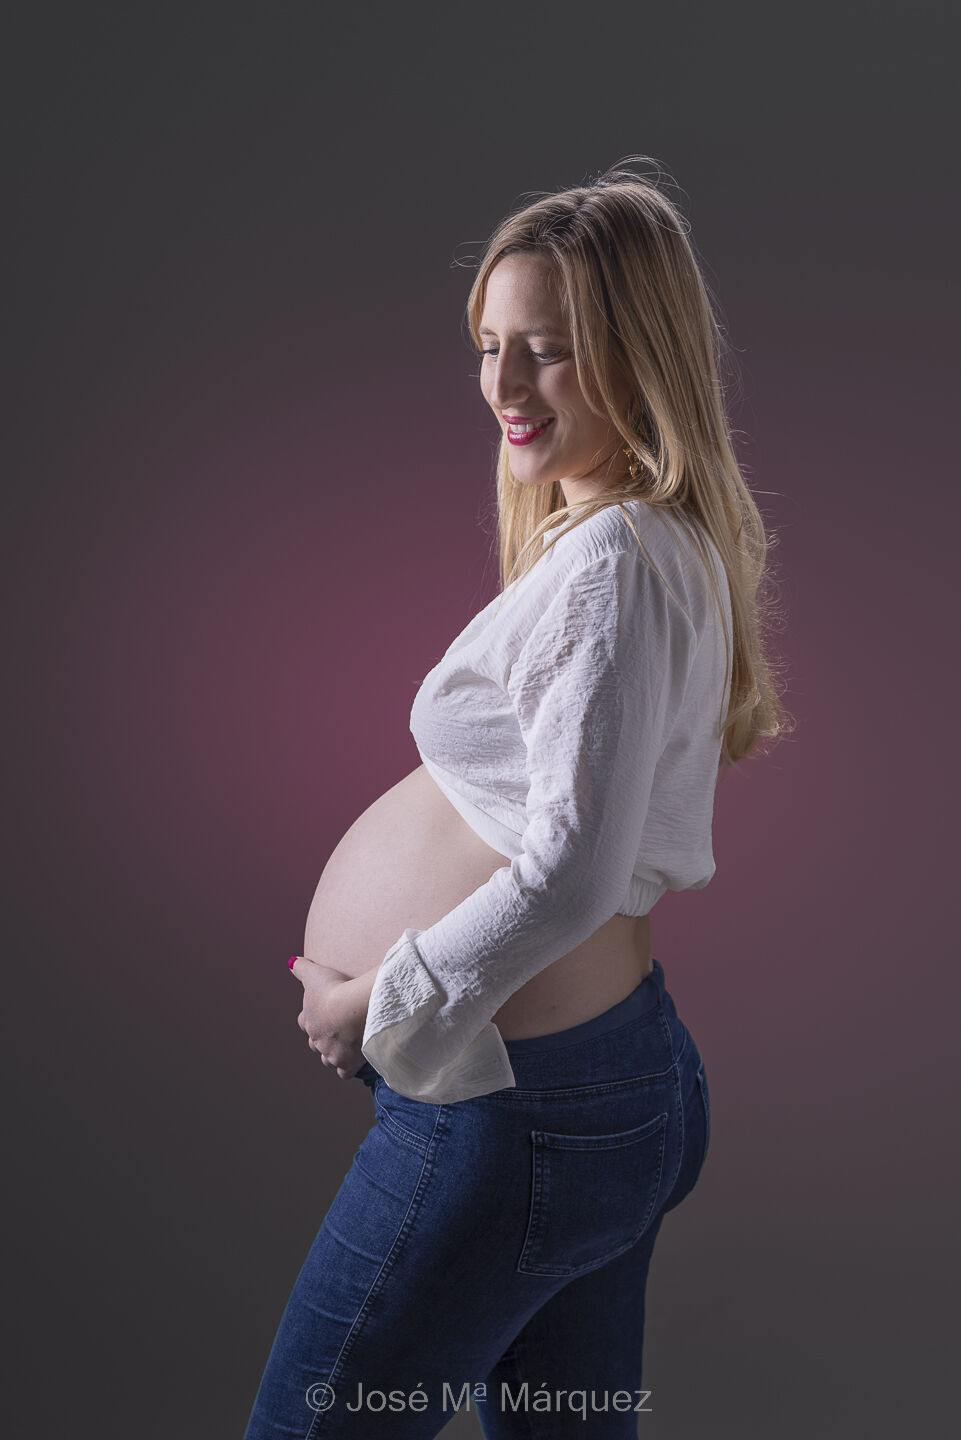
638	308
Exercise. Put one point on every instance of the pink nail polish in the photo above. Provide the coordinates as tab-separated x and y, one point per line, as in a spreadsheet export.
290	962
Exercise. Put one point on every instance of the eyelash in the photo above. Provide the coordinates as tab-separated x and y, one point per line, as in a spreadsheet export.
539	353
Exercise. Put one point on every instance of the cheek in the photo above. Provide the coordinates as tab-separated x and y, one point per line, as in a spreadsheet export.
567	401
581	426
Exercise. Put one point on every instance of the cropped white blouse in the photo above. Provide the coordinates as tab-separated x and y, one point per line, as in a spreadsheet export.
575	725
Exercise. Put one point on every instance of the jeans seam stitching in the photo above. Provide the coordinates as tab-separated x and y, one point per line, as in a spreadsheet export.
409	1137
678	1099
377	1283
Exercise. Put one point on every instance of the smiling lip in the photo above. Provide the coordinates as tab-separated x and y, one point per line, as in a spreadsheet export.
526	437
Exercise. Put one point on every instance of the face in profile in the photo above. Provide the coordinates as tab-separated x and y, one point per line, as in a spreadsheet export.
529	379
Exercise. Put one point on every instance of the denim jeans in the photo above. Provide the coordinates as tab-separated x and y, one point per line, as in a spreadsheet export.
493	1253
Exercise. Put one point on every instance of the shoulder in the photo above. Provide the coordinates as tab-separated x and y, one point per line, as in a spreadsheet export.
602	592
606	532
633	540
647	552
631	527
664	544
601	614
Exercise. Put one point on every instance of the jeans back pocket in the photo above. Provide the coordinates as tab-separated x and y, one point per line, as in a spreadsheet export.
592	1196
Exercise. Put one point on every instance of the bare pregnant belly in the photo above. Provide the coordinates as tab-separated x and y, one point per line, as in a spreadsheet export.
407	861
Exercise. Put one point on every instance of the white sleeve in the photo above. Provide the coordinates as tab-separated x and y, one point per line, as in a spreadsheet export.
596	689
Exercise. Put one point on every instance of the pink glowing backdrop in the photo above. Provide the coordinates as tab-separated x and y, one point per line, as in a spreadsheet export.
237	548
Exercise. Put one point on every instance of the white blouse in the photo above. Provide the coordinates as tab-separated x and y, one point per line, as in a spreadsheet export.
575	725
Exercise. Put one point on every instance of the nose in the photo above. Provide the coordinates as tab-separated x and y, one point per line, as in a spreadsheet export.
507	384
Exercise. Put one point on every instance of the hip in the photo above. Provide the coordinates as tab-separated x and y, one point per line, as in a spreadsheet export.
609	1115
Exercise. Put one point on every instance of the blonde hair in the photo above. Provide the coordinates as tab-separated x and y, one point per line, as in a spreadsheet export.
638	309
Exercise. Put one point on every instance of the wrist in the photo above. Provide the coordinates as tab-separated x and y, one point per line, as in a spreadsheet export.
351	998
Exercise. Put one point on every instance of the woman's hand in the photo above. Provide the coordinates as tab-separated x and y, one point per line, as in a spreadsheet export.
334	1013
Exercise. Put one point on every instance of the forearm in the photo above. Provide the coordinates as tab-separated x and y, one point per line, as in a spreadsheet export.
350	1001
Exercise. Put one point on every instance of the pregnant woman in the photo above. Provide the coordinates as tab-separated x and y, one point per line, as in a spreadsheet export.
478	950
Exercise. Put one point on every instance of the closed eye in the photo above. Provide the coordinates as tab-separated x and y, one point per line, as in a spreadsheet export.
541	354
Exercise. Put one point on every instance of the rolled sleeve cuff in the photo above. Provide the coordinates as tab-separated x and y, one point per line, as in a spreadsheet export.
419	1060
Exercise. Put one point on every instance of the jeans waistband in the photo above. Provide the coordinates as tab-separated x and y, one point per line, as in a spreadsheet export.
638	1035
644	997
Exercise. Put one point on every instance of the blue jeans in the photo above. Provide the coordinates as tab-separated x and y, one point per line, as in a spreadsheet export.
493	1253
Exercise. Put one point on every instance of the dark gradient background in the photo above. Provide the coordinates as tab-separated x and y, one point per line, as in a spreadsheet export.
236	543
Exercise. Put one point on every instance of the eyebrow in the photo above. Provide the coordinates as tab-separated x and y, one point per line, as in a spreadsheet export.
525	334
